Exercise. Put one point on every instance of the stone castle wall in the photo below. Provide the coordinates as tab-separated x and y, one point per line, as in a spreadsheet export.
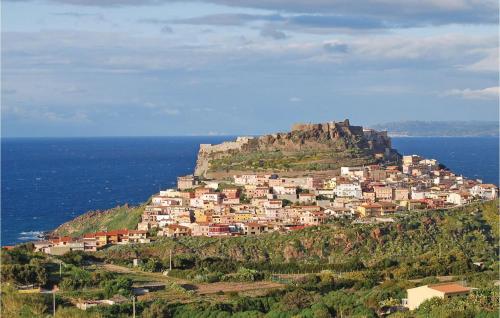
225	146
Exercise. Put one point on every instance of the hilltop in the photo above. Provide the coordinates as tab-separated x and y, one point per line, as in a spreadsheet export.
306	149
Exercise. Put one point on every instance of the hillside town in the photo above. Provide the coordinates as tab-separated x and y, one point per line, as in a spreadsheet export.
252	204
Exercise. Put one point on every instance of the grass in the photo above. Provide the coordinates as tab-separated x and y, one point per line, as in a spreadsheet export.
297	161
122	217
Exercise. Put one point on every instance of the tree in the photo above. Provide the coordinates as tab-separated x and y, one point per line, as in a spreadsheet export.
157	309
121	286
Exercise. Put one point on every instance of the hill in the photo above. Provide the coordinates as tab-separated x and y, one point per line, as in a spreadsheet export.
120	217
420	244
441	128
306	149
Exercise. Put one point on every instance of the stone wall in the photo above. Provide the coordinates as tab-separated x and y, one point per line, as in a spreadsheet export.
225	146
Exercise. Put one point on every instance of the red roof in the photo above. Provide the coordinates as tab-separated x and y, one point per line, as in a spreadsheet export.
137	232
118	232
451	288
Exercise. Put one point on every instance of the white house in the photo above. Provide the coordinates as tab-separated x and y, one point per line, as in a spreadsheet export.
348	190
418	295
485	191
458	198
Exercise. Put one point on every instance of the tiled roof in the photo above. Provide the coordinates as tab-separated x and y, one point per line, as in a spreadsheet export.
451	288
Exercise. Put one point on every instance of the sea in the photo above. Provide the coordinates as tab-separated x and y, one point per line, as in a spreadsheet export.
48	181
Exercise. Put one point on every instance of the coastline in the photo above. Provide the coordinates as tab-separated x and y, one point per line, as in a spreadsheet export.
138	203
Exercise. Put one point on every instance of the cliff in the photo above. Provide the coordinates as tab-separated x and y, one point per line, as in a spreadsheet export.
306	148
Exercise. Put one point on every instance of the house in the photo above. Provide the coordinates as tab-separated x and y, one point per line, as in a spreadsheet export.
307	198
41	246
231	192
138	236
63	249
254	228
117	237
199	229
370	209
459	198
242	216
231	201
61	241
101	239
401	194
416	204
245	179
378	174
198	192
313	218
369	196
383	193
174	230
485	191
285	190
90	243
359	172
261	192
325	193
211	197
349	190
273	204
218	230
418	295
411	160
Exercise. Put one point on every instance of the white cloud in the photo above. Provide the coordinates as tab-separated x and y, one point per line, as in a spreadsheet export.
44	114
485	93
295	99
170	111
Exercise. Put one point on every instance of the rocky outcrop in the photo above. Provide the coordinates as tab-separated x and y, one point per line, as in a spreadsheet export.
337	142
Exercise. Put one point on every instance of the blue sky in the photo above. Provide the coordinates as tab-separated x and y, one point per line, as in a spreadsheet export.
162	67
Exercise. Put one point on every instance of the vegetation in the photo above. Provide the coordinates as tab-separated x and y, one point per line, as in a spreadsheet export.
122	217
304	160
336	270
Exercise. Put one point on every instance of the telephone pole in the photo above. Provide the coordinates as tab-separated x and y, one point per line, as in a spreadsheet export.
133	306
170	260
54	303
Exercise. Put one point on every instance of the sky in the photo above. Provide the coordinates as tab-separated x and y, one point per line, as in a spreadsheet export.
229	67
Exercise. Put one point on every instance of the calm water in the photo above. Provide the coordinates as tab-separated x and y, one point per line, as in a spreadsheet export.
46	182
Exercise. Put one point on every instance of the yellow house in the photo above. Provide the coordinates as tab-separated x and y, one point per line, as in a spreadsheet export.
200	216
242	216
370	209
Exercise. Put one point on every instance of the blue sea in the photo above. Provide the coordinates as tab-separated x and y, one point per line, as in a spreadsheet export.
48	181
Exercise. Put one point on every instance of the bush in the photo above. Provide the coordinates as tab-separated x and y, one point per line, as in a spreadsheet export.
244	275
25	274
121	286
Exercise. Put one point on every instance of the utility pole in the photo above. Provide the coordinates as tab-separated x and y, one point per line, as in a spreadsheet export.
170	259
54	289
133	306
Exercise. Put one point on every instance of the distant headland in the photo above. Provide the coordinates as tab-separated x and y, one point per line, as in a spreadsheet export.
440	128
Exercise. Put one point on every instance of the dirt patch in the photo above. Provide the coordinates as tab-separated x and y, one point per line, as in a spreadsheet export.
226	287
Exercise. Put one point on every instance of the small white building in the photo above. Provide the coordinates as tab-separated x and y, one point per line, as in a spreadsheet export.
485	191
418	295
350	190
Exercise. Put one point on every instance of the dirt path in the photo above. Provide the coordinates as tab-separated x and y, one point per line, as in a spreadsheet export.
203	289
199	288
